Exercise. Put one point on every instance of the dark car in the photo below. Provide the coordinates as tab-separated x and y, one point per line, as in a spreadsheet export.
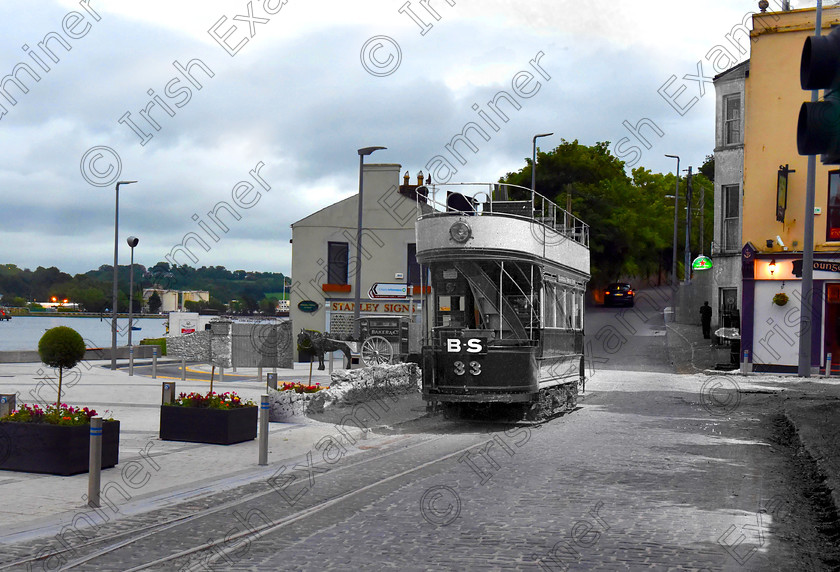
619	293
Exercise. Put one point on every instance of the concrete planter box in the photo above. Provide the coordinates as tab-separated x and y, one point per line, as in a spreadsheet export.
55	449
206	425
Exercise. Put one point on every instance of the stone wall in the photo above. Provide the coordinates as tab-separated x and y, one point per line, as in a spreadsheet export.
192	347
241	344
348	388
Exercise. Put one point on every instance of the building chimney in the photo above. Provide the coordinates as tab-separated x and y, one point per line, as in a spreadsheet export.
419	178
406	177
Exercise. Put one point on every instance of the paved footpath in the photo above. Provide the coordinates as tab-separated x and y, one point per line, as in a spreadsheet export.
42	504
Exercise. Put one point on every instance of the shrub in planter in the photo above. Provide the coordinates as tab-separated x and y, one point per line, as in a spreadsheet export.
222	419
56	439
61	347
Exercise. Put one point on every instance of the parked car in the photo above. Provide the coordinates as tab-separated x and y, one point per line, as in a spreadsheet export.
619	293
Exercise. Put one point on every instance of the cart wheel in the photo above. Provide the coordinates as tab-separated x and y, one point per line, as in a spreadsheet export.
376	350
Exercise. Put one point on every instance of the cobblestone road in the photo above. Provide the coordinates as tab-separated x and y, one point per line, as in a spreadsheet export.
647	474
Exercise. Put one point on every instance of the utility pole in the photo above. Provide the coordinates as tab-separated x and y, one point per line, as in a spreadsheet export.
702	227
688	228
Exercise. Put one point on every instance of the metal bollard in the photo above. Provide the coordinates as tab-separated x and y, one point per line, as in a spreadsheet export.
7	403
271	380
259	372
167	392
746	366
221	374
154	362
95	465
332	357
183	369
130	360
264	409
828	364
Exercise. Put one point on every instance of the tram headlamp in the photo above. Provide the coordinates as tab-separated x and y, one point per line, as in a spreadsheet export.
460	232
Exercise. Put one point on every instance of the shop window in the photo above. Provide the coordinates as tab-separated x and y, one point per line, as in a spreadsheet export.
833	220
832	293
337	262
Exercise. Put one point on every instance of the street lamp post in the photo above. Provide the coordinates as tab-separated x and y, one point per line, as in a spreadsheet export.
114	293
534	161
687	253
674	279
132	242
358	298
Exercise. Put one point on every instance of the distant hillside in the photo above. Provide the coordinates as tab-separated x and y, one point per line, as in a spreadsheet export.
93	289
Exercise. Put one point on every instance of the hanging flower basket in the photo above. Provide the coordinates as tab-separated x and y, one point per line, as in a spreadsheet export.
780	299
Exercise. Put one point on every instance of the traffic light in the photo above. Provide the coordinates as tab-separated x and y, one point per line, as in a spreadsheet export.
818	131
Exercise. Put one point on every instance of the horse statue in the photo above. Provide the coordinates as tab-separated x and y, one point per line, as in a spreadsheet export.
320	343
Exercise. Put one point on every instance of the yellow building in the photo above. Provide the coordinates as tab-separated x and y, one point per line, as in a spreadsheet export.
773	214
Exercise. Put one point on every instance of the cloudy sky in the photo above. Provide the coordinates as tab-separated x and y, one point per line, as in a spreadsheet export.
187	98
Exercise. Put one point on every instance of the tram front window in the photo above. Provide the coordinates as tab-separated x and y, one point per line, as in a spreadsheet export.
495	296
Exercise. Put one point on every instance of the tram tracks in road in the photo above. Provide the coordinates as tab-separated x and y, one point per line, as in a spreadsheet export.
94	553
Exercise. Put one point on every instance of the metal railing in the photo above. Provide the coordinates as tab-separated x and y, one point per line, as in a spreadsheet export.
507	200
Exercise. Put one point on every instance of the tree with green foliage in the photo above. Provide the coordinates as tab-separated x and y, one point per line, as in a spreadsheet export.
61	347
630	219
155	303
268	306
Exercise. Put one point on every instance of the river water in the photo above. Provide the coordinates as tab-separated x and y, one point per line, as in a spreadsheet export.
24	332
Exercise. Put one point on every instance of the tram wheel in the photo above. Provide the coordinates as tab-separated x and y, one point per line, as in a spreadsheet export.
376	350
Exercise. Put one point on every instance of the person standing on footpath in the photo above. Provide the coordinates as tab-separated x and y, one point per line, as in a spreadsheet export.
706	319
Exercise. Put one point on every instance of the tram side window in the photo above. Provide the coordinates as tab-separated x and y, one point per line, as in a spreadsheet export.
549	304
579	314
561	307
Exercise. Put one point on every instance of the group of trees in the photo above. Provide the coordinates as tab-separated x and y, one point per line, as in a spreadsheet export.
630	217
245	292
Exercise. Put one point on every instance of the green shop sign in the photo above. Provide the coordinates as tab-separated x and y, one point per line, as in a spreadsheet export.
307	306
702	263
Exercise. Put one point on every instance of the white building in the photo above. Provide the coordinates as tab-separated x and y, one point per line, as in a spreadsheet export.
174	300
324	261
729	192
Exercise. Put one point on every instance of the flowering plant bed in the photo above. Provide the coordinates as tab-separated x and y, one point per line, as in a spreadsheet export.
212	400
221	419
302	388
62	415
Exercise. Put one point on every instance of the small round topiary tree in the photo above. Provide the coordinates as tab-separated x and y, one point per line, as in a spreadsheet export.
61	347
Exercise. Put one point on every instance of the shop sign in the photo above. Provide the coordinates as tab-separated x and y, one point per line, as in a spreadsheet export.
188	327
819	265
375	307
308	306
701	263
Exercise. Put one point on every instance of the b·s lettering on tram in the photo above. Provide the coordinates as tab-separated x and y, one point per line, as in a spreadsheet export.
504	322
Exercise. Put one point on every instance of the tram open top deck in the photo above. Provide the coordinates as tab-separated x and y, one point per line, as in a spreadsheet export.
503	221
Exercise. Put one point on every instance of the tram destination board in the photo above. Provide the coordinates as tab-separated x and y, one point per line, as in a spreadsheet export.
474	346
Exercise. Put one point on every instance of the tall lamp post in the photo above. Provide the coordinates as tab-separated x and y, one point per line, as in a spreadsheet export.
674	280
358	297
687	253
534	160
114	294
132	242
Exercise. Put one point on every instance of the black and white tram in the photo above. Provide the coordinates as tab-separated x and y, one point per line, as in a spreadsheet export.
504	320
